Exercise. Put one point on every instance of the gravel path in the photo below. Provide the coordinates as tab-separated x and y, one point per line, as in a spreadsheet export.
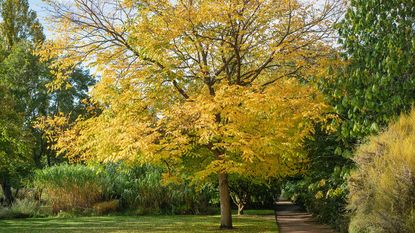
292	219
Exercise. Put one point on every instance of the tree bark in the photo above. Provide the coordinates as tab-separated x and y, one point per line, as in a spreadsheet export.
7	190
241	209
225	202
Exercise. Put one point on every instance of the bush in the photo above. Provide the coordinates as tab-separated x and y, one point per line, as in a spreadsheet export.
25	208
5	213
382	189
21	208
69	187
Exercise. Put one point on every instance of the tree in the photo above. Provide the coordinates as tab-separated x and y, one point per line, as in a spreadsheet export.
24	79
27	77
211	87
253	192
377	84
14	145
19	23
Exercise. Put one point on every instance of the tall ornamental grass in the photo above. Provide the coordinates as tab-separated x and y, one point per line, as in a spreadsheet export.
69	187
382	189
116	186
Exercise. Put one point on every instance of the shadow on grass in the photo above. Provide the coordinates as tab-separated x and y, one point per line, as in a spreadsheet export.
187	223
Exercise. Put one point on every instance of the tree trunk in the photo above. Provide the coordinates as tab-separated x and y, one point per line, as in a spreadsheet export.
225	202
39	148
241	209
48	155
7	190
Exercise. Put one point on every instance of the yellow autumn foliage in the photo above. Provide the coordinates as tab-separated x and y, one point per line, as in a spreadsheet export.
206	86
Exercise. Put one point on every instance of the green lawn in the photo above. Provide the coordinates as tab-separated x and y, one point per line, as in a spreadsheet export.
263	222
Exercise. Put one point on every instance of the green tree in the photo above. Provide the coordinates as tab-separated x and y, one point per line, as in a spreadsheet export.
15	157
25	79
19	23
378	81
253	192
28	77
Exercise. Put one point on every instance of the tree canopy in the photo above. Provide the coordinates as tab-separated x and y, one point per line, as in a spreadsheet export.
377	39
25	95
207	87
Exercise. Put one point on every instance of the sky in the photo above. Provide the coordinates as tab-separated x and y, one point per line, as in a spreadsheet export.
38	5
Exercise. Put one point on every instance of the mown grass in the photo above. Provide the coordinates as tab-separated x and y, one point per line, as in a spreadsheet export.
263	223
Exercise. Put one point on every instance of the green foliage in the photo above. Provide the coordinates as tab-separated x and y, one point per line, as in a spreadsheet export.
382	190
374	85
140	188
5	213
253	192
19	23
322	188
377	83
325	198
24	95
27	78
15	160
13	137
23	208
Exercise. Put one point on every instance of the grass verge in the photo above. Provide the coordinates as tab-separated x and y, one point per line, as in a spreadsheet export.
154	224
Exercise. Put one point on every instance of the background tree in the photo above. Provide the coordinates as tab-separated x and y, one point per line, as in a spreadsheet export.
222	87
19	23
252	192
378	82
25	79
15	159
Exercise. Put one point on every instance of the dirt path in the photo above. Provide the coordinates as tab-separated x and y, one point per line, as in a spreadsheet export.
292	219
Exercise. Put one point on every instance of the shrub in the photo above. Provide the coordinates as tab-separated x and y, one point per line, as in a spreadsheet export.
21	208
69	187
382	189
5	213
25	208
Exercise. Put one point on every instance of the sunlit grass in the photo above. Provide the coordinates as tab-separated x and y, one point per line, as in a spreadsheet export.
124	224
